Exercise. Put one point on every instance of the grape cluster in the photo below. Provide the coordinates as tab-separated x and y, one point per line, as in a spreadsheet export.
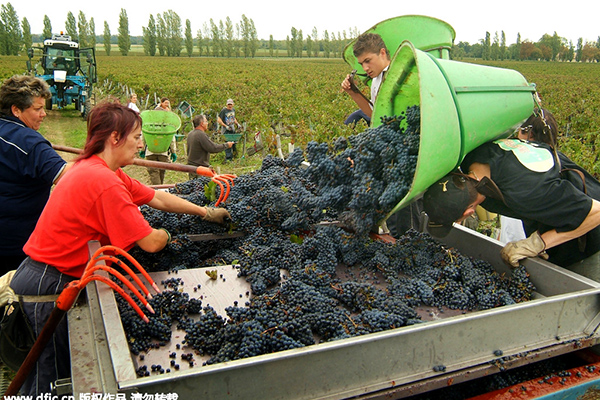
311	280
171	306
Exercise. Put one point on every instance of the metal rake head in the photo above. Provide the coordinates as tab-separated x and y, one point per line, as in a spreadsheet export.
69	294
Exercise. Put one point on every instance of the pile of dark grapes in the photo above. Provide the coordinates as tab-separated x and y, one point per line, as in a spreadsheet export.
312	281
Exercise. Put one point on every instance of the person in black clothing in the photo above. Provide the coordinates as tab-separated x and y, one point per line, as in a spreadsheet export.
556	199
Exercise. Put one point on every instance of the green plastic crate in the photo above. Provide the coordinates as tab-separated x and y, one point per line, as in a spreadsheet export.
232	137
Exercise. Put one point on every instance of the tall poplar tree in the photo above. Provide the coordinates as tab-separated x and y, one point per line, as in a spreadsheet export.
254	42
161	35
83	28
326	44
309	46
189	39
27	39
71	26
200	40
206	34
149	38
92	32
299	44
124	39
315	36
106	38
486	47
173	33
47	32
517	49
229	37
11	36
246	34
216	38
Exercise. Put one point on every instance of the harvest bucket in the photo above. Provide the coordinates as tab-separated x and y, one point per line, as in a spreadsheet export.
425	33
158	128
462	106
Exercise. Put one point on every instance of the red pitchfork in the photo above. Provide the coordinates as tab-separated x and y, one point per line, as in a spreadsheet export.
221	179
69	294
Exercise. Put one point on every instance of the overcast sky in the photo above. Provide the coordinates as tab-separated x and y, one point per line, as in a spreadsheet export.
470	19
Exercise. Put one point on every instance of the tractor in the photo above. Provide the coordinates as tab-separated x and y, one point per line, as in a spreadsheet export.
68	69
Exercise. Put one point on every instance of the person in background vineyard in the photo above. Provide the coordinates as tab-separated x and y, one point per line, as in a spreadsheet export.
374	57
96	200
200	146
133	102
557	200
157	176
29	166
228	123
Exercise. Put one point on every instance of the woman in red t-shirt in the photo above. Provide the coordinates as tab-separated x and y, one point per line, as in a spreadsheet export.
96	200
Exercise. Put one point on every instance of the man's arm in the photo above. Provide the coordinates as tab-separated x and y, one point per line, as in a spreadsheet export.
536	244
553	238
359	98
211	146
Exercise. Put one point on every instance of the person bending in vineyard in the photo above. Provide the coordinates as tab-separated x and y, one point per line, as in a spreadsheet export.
556	199
29	166
374	57
200	146
228	123
96	200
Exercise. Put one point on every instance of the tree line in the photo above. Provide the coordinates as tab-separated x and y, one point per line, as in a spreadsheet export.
548	48
165	35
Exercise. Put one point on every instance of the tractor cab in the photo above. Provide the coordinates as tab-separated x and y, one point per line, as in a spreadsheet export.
60	54
70	71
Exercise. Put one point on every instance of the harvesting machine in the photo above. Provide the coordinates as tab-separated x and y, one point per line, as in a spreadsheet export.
69	70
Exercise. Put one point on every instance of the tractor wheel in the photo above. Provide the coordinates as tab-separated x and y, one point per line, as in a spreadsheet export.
49	104
77	106
87	107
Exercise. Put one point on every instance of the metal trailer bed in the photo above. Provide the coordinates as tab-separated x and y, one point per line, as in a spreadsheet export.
563	317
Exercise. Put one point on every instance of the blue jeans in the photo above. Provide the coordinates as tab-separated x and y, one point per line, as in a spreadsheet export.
34	278
357	116
229	152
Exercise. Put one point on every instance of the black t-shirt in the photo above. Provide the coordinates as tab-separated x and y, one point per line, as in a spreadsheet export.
535	191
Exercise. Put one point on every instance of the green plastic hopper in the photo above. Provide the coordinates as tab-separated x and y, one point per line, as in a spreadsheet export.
158	129
462	106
